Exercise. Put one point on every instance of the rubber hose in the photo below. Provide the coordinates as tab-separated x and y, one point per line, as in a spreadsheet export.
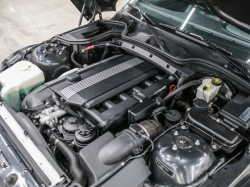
180	82
74	61
74	163
56	99
106	50
67	109
181	88
71	112
186	106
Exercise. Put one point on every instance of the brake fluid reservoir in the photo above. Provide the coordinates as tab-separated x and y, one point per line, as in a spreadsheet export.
19	79
209	89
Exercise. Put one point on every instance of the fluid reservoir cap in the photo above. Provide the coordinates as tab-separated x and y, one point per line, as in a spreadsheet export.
71	124
216	81
173	116
24	67
200	105
85	134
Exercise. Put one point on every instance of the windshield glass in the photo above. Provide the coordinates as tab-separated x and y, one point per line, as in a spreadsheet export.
199	21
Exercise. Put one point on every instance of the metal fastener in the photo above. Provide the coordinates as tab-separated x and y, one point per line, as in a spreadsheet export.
214	146
197	142
174	147
176	133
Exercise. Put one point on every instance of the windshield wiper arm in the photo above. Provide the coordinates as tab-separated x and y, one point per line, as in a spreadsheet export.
149	22
196	38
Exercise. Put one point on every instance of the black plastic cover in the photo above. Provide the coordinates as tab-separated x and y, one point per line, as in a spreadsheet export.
35	101
90	162
141	111
212	131
237	111
132	175
97	80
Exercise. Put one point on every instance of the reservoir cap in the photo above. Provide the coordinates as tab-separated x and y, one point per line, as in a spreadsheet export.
216	81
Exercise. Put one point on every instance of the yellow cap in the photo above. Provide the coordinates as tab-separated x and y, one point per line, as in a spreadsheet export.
216	81
208	85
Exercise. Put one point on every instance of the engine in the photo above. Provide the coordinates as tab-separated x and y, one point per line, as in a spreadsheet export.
124	121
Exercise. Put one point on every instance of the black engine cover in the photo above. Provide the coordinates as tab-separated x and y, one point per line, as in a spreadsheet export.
104	91
94	81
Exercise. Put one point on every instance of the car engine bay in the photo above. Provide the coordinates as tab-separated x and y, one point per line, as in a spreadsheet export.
115	112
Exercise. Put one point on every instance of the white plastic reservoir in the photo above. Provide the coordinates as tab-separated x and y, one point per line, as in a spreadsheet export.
19	79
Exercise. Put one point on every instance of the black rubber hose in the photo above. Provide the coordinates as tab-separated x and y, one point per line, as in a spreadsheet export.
55	98
71	112
74	61
74	163
180	82
184	105
181	88
106	50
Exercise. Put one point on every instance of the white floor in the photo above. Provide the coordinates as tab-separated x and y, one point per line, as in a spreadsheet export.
26	22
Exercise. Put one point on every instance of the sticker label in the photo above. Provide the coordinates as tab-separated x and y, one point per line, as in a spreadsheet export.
245	115
164	167
3	162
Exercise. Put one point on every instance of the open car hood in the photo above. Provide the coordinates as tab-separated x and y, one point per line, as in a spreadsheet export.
233	12
102	6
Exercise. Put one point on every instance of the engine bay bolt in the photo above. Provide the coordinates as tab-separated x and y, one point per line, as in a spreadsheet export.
214	147
197	142
83	50
174	147
183	127
176	133
60	53
64	47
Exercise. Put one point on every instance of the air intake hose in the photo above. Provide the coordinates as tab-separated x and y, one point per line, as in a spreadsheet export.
74	163
129	142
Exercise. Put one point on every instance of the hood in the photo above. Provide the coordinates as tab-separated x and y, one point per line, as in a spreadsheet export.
90	5
233	12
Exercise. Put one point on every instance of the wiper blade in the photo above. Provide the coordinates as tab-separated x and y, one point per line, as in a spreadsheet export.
196	38
149	22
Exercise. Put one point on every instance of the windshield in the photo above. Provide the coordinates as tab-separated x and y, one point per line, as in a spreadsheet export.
199	21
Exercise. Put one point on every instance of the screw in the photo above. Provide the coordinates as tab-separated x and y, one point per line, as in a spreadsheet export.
197	142
176	133
174	147
183	127
214	146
